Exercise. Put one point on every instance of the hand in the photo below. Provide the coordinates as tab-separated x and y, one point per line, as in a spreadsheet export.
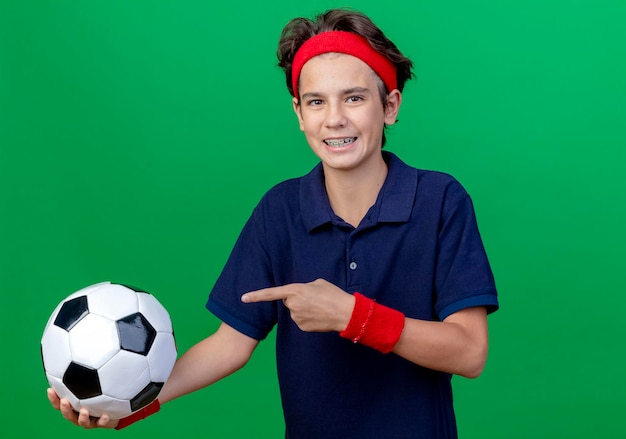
81	418
317	306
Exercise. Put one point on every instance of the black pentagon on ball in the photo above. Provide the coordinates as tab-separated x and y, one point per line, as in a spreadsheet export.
82	381
136	333
146	396
72	312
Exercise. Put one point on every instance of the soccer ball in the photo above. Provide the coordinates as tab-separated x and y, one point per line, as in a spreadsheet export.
108	348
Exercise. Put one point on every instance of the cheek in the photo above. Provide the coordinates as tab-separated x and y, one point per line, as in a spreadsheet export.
371	122
310	123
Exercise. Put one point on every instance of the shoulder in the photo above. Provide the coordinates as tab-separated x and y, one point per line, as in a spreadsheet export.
282	196
283	189
283	199
440	182
290	193
436	192
427	180
432	183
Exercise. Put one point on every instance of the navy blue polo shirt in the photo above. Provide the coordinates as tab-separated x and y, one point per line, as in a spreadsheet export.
418	250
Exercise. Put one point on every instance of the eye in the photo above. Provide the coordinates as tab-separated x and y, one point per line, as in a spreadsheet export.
314	102
355	98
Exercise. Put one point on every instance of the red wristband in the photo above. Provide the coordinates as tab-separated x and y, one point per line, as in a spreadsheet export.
374	325
143	413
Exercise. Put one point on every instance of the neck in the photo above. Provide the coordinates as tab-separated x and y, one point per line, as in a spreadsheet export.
352	192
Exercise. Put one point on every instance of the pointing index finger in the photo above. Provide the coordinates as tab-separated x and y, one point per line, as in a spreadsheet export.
265	295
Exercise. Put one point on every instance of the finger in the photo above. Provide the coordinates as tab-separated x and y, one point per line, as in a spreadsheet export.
104	421
265	295
68	412
84	420
54	399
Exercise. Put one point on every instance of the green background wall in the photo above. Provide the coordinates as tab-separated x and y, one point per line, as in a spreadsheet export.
137	136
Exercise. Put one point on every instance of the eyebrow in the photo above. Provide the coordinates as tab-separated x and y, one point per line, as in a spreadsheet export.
343	92
356	90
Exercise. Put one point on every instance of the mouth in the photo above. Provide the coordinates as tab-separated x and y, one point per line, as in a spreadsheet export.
338	143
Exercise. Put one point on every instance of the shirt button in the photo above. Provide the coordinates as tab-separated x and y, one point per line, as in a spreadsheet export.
353	265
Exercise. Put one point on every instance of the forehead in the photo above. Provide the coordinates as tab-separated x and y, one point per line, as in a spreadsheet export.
336	70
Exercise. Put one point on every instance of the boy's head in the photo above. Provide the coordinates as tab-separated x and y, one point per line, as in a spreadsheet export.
363	36
348	32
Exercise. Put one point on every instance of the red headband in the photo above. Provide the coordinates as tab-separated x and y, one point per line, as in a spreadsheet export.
348	43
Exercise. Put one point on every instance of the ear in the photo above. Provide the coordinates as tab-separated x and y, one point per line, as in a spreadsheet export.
298	111
392	107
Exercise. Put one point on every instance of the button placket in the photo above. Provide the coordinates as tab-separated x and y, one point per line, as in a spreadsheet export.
352	263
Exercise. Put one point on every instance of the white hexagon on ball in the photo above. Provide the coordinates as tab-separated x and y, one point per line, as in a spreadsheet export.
55	351
125	375
162	357
94	341
114	302
152	310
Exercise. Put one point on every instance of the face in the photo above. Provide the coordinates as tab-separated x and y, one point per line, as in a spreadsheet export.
341	113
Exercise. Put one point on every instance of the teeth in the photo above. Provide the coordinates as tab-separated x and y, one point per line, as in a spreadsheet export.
340	142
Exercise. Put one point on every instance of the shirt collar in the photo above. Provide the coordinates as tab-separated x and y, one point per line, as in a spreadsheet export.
394	204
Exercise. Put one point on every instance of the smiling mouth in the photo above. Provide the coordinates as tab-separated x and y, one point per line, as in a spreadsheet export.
336	143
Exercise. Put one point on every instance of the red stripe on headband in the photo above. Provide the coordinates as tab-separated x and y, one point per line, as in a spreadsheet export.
348	43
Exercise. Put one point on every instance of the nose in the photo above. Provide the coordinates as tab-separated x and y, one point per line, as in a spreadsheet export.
335	116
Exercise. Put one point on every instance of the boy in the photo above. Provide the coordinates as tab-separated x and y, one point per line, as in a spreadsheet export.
373	272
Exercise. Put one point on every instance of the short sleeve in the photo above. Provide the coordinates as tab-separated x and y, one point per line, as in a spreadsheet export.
464	277
247	269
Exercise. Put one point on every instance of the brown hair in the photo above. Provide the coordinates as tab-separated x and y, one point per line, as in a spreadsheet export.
298	30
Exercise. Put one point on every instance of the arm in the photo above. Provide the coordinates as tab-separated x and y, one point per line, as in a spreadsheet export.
210	360
457	345
207	362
